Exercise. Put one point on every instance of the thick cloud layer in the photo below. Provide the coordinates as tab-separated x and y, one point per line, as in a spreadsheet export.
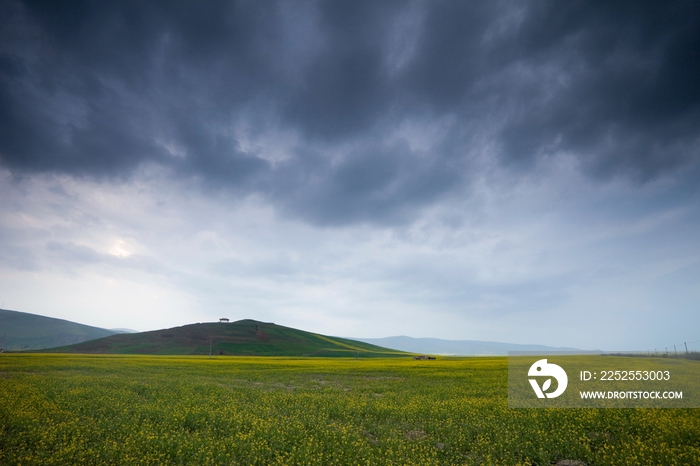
350	111
523	172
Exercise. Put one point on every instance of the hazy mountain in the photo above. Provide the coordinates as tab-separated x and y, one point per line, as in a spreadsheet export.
456	347
244	337
22	330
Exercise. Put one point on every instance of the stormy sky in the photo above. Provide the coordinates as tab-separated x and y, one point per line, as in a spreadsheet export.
525	172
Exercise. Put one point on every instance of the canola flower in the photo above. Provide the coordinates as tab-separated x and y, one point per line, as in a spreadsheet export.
143	410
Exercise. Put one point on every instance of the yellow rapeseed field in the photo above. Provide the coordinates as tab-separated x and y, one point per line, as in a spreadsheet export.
87	409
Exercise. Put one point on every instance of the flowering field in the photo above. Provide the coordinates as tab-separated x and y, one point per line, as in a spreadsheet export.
78	409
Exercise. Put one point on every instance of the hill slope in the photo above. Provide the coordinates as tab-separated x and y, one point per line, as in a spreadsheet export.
456	347
23	331
244	337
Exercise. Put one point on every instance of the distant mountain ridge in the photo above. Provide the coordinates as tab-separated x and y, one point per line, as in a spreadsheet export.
25	331
123	330
457	347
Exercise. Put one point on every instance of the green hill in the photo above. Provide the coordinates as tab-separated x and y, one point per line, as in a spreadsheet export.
244	337
24	331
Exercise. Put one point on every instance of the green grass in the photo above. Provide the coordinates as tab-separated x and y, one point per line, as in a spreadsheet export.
243	338
97	409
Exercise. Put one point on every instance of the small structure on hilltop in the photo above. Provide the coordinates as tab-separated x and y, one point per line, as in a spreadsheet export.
223	320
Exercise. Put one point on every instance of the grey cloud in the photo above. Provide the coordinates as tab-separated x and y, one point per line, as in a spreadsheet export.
374	183
19	258
74	252
620	96
279	266
74	255
98	89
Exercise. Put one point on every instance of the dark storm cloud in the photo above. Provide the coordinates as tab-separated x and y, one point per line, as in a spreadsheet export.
100	88
373	183
625	100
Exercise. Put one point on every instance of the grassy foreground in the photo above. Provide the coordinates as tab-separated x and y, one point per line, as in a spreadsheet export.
100	409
